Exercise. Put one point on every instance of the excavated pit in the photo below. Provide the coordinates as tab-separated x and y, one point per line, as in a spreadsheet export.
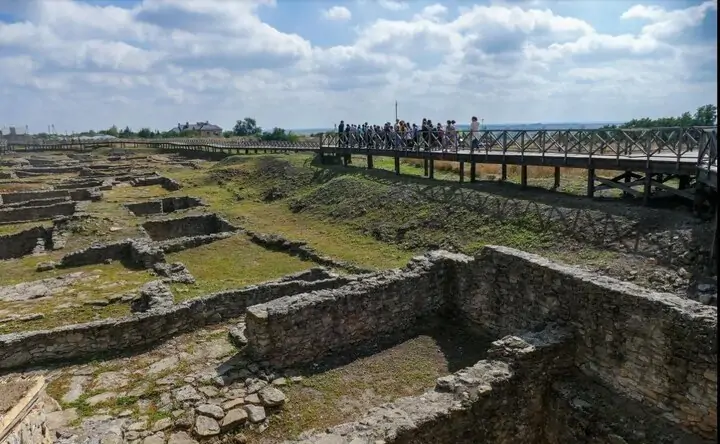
32	241
189	226
164	206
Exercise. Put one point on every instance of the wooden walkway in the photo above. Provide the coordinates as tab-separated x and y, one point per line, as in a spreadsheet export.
645	158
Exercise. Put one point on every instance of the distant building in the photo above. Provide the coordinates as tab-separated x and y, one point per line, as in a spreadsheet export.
15	134
204	129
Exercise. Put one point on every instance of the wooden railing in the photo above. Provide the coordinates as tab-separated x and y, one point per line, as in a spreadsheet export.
666	142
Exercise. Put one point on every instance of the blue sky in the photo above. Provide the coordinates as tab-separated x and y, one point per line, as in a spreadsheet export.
307	64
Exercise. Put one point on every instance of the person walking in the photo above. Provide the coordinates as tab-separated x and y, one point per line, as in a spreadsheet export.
474	134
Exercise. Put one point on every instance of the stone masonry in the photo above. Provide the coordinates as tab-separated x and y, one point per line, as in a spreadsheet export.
655	348
88	340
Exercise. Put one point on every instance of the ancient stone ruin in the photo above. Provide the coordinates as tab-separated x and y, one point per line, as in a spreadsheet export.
580	357
189	226
164	206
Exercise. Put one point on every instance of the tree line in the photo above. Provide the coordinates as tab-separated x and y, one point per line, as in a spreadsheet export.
705	115
246	127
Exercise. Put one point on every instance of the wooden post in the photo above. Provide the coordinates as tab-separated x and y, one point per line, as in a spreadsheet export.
397	165
344	161
462	172
432	169
647	189
591	182
523	176
425	166
556	185
684	183
627	179
369	161
714	246
473	173
503	172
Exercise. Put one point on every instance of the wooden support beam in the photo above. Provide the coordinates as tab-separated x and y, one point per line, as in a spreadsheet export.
556	184
425	167
523	176
397	165
432	169
611	184
591	182
473	171
647	188
370	161
503	172
462	172
684	182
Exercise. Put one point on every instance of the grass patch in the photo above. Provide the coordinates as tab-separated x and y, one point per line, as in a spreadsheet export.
346	393
231	263
66	306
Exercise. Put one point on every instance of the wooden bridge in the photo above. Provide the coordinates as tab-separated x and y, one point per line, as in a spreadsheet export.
647	160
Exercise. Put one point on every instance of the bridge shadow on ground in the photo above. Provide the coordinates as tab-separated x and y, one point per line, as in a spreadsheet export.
614	224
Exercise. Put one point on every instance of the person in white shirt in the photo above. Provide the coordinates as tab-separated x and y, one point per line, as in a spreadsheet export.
474	134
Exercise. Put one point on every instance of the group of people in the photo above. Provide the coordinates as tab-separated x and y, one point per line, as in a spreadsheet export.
404	135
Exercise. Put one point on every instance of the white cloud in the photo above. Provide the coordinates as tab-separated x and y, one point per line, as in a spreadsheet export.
79	65
337	13
393	5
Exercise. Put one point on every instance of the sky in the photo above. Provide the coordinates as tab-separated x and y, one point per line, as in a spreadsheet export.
82	65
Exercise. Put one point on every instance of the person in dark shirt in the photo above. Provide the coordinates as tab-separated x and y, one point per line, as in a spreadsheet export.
341	133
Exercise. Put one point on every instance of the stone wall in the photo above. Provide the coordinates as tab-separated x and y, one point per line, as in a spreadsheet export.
302	328
27	214
133	252
300	249
38	202
497	400
165	205
653	347
85	341
22	196
25	242
165	182
160	230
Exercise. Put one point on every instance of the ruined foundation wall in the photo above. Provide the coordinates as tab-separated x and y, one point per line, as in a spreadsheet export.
22	196
497	400
161	230
301	328
653	347
25	242
36	213
88	340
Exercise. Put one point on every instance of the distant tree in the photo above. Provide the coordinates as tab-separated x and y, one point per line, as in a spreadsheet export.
112	131
145	133
706	115
247	127
228	134
279	134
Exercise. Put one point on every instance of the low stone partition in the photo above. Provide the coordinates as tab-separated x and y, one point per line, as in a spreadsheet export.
498	400
38	202
86	341
300	249
27	214
165	182
23	196
164	206
16	245
204	224
84	183
134	252
38	171
302	328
